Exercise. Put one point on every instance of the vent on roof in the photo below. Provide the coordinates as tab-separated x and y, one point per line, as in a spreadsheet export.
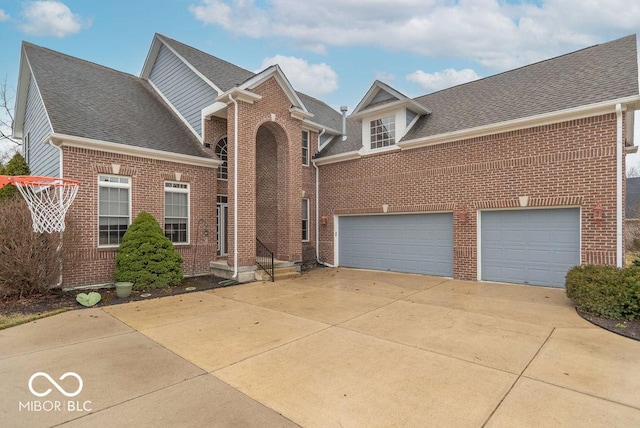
343	110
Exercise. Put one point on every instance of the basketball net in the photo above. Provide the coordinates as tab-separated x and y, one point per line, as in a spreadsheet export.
48	199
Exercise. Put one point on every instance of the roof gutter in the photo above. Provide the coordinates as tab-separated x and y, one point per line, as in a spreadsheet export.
511	125
341	157
63	140
619	173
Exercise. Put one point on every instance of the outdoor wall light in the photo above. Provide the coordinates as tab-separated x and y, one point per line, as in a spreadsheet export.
598	212
324	220
462	216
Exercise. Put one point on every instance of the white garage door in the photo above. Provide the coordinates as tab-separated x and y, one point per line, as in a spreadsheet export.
529	246
415	243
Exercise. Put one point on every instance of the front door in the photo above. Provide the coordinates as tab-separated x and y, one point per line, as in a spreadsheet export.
222	220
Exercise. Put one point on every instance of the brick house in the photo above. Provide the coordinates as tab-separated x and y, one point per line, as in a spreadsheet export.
511	178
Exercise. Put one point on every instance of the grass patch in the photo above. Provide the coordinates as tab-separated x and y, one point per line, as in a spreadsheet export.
13	320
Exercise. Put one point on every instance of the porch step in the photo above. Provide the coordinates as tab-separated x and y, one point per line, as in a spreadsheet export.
281	273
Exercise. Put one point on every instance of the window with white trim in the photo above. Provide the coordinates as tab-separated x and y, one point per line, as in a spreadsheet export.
176	212
221	152
305	220
305	147
383	132
25	147
114	209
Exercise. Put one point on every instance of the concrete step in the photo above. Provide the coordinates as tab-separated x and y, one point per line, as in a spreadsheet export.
281	273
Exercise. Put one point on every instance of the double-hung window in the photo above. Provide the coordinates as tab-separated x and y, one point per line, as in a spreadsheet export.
176	212
383	132
114	208
305	147
305	220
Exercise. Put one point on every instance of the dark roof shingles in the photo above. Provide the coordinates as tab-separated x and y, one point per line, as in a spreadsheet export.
87	100
225	76
600	73
221	73
596	74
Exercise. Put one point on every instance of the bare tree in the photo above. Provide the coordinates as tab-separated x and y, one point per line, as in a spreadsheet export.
6	115
633	171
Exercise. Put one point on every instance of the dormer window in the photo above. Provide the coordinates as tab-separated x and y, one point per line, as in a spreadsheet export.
383	132
386	116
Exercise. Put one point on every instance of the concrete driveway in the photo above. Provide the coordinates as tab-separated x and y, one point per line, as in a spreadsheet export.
336	347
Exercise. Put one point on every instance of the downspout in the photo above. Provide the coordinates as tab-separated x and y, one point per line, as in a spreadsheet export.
318	202
318	210
619	150
235	187
59	249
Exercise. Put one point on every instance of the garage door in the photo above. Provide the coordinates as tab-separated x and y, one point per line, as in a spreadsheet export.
529	246
416	243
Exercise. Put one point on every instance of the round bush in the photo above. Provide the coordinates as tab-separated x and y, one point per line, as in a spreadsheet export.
146	257
605	290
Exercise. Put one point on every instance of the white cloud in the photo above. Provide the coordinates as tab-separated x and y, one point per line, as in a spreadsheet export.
51	18
3	16
240	16
494	33
432	82
313	79
385	76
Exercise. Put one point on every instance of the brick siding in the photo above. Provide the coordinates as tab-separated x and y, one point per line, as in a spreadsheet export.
565	164
87	264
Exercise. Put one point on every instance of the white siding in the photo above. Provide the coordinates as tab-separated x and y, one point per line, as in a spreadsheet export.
43	159
184	89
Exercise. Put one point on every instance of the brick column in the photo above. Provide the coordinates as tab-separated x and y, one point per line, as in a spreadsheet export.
246	186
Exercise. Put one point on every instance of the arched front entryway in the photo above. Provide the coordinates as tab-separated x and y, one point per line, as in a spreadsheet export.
272	215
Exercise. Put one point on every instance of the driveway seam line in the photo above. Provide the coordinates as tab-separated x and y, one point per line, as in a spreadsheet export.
70	344
130	399
518	378
428	350
268	350
581	392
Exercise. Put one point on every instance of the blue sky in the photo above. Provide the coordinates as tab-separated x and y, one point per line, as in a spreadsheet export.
331	49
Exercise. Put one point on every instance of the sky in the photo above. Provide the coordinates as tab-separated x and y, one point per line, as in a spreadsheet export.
330	49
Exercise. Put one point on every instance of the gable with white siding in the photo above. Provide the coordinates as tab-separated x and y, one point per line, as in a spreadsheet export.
43	158
182	88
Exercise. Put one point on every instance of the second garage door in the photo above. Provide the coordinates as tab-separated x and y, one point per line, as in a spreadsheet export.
530	246
415	243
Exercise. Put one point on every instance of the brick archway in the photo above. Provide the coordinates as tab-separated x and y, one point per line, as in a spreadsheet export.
272	213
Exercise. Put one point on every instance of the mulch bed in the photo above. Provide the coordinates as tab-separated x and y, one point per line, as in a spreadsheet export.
58	299
630	329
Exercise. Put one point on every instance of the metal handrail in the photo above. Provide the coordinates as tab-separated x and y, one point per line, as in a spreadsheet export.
265	259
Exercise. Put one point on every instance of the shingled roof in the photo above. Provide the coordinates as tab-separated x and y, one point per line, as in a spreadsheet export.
221	73
87	100
225	76
593	75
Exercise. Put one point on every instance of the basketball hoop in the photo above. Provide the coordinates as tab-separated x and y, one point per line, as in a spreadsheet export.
48	199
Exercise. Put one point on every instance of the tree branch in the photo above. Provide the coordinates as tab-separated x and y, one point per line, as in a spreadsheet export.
6	115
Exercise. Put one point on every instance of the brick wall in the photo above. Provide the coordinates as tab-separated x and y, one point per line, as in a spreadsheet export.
267	189
566	164
270	115
88	264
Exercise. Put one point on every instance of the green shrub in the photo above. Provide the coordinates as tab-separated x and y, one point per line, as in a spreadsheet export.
605	290
146	257
16	166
